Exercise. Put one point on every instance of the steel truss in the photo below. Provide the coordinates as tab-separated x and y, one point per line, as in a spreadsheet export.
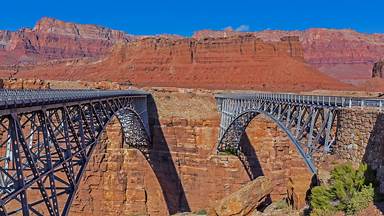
309	121
46	143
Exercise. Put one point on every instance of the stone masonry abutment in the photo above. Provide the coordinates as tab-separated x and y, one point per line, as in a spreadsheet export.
360	138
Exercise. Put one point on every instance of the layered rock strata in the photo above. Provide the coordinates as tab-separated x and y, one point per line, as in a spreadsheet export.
184	172
239	62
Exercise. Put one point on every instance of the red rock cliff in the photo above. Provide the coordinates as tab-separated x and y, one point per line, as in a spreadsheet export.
238	62
52	39
344	54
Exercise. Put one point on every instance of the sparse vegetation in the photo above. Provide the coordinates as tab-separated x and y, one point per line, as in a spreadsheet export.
349	190
229	151
281	204
201	212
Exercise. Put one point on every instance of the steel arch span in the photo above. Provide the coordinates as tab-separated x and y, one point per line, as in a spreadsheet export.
310	121
48	136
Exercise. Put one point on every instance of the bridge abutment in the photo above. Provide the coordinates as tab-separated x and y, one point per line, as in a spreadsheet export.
360	138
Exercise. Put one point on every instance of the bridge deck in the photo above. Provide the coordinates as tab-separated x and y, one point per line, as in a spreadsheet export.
33	100
321	100
23	98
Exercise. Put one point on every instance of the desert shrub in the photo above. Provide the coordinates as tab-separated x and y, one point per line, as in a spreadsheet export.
281	204
348	190
321	198
323	212
360	201
201	212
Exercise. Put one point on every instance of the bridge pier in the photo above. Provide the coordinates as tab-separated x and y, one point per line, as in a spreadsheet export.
360	138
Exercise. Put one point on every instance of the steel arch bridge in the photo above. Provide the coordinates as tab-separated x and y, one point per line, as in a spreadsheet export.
310	121
47	138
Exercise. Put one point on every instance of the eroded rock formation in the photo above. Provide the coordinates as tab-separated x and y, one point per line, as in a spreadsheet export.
239	62
344	54
53	39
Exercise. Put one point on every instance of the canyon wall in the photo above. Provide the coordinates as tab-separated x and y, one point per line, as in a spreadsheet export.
344	54
239	62
184	173
53	39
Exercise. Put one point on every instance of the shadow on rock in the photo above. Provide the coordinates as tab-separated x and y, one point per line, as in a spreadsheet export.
374	157
249	159
160	159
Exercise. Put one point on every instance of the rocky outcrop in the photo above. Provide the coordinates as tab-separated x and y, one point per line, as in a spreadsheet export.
53	26
344	54
53	39
378	69
245	200
24	84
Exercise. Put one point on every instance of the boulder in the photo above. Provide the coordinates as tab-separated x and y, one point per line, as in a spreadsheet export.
245	200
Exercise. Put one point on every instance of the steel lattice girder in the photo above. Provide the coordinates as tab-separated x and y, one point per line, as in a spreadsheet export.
308	120
46	143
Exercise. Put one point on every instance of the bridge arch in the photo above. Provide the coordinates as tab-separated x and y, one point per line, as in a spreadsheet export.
160	162
230	140
310	121
48	137
133	128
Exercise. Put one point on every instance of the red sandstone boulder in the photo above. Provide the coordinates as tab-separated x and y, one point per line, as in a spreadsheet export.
245	200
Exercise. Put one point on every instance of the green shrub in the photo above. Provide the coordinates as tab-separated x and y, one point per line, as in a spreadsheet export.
323	212
348	190
281	204
360	201
321	198
201	212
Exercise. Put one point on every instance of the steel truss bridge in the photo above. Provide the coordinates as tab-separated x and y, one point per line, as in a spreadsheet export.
310	121
47	138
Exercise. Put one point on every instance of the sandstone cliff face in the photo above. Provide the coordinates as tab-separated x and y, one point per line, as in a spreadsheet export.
238	62
52	39
345	54
184	172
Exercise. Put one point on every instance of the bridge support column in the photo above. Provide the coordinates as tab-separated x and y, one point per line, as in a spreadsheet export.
360	138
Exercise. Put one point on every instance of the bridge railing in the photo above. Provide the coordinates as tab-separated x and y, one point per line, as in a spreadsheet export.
319	100
17	98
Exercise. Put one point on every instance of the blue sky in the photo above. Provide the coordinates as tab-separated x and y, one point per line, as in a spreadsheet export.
185	17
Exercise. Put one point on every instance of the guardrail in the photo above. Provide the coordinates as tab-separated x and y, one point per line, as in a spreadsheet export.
24	98
319	100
